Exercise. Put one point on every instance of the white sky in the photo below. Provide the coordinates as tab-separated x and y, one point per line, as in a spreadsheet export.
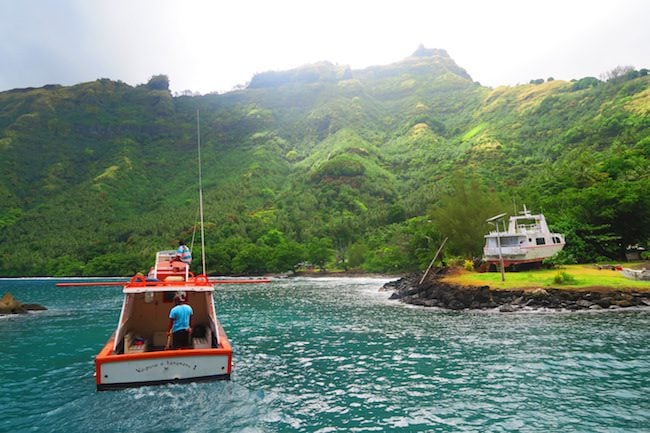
213	45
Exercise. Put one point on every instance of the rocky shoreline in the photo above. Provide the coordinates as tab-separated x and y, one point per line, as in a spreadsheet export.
436	293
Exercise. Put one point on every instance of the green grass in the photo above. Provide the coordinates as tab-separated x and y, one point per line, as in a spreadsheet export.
474	131
571	277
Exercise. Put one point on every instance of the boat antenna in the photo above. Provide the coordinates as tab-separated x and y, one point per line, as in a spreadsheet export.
198	142
196	223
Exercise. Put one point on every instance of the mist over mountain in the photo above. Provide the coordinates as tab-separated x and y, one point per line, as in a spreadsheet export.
363	169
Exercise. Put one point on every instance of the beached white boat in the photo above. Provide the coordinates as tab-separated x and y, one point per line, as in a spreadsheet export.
527	239
636	274
138	354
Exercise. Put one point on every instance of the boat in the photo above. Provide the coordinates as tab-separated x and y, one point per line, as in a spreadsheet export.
636	274
527	240
138	353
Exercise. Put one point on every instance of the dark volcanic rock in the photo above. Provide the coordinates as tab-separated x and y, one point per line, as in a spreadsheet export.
9	305
435	293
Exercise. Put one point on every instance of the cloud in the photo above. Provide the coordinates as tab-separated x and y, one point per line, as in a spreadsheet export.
207	45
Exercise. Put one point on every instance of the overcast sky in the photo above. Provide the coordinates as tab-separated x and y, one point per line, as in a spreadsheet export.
214	45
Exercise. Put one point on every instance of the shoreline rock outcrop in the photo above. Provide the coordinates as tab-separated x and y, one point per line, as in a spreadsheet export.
434	292
10	305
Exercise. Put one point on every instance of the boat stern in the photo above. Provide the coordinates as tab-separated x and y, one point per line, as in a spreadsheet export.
118	371
141	368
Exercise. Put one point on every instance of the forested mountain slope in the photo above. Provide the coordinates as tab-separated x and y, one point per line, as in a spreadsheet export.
367	169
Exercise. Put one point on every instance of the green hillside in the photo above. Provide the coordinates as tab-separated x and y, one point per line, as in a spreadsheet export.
363	169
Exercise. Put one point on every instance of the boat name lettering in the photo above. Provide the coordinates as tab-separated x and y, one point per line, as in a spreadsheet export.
148	367
165	364
182	364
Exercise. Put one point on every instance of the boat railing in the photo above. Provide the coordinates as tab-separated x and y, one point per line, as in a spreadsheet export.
141	281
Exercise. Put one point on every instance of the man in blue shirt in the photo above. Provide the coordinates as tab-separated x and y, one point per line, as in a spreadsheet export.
180	322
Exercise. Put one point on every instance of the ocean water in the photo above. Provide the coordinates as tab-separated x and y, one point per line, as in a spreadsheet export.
334	355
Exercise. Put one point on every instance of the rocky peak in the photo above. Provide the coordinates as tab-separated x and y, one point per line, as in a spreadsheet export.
423	51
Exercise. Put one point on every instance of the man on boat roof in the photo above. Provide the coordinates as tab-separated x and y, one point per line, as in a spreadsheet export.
183	254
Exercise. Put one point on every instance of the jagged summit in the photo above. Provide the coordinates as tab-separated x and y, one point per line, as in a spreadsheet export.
426	63
423	51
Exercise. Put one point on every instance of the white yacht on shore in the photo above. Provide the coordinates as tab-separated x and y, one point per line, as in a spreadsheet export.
527	239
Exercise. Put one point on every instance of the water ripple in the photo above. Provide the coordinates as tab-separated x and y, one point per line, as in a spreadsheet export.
330	355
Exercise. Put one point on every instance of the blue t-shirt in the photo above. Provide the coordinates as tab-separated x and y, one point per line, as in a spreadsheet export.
181	315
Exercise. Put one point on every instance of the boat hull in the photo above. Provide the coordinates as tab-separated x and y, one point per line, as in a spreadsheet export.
516	256
636	274
119	371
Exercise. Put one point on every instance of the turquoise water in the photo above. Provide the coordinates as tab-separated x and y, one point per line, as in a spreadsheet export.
334	355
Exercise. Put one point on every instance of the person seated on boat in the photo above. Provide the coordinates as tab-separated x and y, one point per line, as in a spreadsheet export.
151	276
180	322
183	254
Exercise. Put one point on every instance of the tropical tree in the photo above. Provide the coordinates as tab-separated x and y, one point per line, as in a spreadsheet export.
462	213
320	251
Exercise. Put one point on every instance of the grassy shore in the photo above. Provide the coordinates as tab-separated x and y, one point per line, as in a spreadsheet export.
568	276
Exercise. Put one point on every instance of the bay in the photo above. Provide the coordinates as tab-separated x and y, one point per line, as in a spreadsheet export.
334	355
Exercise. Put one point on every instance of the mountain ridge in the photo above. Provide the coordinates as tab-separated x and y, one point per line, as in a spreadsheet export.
422	60
352	170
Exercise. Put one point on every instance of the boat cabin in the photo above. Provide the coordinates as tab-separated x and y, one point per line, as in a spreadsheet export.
145	317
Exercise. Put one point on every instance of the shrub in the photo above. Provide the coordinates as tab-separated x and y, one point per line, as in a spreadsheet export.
564	278
563	257
452	261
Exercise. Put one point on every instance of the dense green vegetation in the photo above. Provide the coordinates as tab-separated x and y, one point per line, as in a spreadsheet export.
366	169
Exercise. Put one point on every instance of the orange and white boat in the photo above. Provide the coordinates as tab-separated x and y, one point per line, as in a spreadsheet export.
137	353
